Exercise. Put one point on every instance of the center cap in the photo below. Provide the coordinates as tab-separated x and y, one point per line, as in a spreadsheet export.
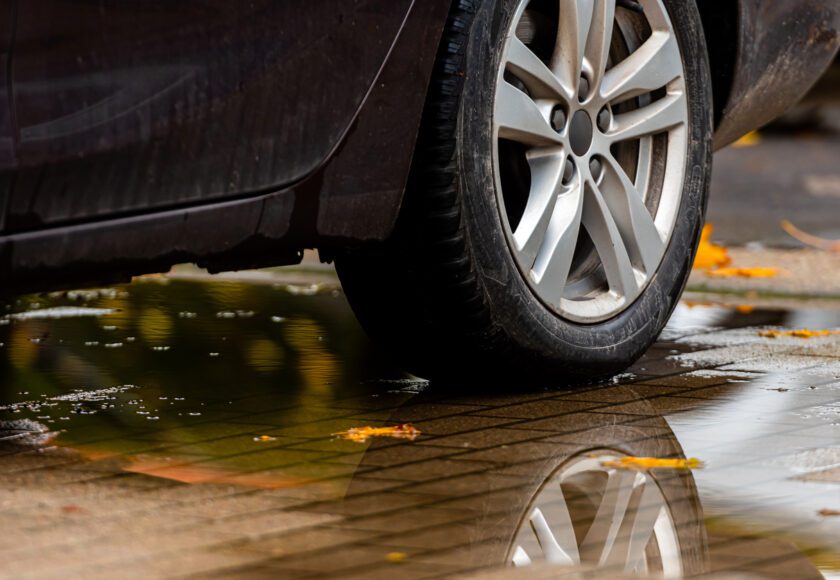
580	133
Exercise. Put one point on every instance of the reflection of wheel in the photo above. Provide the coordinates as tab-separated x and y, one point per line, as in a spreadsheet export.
587	513
558	190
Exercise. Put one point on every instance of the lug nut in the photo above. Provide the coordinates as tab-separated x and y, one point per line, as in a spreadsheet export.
568	172
583	89
604	120
595	168
558	119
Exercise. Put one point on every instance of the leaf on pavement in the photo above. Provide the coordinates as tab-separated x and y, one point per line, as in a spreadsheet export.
809	239
643	463
710	255
362	434
800	333
743	273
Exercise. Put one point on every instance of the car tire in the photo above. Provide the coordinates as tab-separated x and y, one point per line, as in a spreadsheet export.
450	293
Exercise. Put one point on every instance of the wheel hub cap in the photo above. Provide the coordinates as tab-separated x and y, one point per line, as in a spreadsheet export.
580	133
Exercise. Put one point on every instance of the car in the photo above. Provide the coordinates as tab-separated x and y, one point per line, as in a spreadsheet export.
506	187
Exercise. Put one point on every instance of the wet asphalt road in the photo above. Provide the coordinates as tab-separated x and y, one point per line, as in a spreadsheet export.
792	173
186	428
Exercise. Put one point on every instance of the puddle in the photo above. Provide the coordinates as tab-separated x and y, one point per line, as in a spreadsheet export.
201	414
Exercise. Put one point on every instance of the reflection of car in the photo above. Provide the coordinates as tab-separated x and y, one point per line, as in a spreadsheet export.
553	198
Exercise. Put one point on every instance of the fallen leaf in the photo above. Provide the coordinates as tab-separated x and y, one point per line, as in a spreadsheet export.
710	255
809	239
643	463
743	273
828	512
362	434
396	557
751	139
800	333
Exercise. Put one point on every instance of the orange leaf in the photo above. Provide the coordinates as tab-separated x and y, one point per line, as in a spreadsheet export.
751	139
710	255
643	463
362	434
801	333
743	273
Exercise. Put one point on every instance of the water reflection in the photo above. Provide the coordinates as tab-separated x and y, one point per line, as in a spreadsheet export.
235	390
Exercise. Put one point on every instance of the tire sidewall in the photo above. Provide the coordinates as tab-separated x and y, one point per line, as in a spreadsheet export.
608	346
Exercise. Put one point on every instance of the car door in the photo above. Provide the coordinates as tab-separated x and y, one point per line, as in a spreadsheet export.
130	106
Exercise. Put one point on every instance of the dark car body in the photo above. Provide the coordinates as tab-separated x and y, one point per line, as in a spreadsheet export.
136	135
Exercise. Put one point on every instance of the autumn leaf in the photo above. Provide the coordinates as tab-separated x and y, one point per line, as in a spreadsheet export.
800	333
743	273
710	255
751	139
362	434
809	239
644	463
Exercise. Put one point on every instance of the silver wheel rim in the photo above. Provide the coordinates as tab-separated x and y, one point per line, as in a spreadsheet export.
587	514
598	124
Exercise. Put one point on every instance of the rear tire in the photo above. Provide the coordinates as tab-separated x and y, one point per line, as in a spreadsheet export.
449	293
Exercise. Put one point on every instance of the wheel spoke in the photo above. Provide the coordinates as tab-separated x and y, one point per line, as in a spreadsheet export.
528	68
650	507
520	557
575	21
635	223
606	236
662	115
519	119
655	64
600	38
552	550
546	176
600	538
554	257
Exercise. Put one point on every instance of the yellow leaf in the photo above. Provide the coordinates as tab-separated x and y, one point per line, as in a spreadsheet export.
396	557
710	255
801	333
362	434
743	273
643	463
751	139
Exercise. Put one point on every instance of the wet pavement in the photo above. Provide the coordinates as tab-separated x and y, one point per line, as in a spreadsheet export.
174	428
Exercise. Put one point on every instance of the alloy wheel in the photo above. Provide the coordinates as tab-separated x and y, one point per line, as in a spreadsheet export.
590	135
592	515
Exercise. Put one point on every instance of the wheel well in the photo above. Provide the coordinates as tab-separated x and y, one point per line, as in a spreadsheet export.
720	24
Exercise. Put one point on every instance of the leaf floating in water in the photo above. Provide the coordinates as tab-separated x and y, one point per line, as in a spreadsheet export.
644	463
826	513
801	333
710	255
743	273
362	434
